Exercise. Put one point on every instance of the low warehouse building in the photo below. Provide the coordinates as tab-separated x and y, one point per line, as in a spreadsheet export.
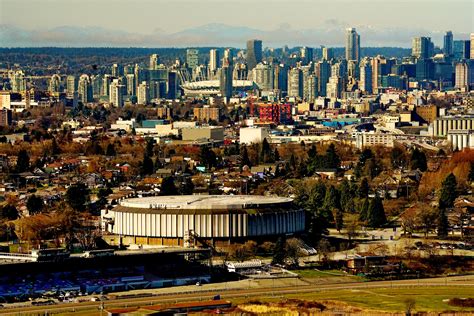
216	219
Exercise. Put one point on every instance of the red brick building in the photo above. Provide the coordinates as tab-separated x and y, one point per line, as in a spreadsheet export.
276	113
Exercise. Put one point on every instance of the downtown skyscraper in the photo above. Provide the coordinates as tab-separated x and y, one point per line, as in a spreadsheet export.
422	47
307	55
226	79
154	61
352	44
214	59
448	43
254	53
192	58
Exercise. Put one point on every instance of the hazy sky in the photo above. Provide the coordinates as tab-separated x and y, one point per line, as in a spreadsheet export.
170	16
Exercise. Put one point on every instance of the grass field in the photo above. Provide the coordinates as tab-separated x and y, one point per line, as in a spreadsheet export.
312	273
312	276
394	299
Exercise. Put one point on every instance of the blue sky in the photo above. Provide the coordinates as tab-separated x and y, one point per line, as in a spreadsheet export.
168	22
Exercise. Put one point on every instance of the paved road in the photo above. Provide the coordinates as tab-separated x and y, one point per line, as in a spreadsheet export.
205	294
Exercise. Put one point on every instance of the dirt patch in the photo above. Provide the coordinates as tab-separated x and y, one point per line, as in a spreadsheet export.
461	302
296	307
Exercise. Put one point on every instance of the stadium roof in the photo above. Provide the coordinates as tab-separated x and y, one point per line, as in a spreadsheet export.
204	202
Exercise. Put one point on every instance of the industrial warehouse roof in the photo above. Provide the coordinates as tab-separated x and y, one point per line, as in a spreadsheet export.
202	202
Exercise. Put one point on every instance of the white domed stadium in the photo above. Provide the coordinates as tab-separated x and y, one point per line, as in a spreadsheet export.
169	220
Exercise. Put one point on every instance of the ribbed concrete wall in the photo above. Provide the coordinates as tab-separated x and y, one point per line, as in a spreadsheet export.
207	225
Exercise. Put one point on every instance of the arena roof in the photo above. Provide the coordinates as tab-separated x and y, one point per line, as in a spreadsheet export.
203	202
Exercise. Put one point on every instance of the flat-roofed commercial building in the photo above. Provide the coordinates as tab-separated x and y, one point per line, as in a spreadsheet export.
428	113
214	133
206	114
249	135
374	139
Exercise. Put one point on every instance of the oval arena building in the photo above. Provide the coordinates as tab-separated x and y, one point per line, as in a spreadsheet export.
219	219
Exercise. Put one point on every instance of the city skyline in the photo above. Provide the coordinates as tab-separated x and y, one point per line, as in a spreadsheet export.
211	24
178	156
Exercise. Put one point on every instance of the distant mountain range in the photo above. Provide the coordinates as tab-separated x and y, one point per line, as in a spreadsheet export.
331	33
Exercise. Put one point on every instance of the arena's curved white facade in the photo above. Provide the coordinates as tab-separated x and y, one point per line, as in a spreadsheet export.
208	217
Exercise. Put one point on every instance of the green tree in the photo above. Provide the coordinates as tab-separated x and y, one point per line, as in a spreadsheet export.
77	195
365	155
331	199
397	157
350	206
329	160
338	219
266	152
147	165
186	187
93	148
316	196
279	252
301	170
470	177
371	168
418	160
443	223
293	165
448	192
55	149
332	159
331	206
102	195
364	210
9	212
110	151
158	164
376	213
346	194
23	161
207	157
311	196
245	160
363	191
150	143
312	152
168	187
34	204
276	155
